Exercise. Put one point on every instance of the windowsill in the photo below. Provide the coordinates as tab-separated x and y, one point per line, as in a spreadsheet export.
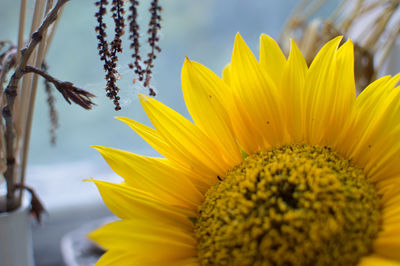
70	202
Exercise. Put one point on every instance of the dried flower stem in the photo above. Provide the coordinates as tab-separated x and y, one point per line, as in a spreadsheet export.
337	12
21	27
373	40
53	28
314	7
387	49
32	99
348	21
22	102
11	93
8	61
380	26
66	88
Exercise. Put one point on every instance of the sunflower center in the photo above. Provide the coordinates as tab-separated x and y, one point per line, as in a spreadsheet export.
292	205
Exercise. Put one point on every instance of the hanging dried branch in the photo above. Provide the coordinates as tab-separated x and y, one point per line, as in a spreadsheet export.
116	46
109	56
134	37
154	27
119	22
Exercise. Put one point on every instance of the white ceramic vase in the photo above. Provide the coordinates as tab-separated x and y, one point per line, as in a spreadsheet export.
16	248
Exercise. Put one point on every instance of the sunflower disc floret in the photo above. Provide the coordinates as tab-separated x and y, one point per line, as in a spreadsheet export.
292	205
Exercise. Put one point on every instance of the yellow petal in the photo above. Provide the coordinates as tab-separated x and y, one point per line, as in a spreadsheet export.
389	230
272	59
258	93
343	104
376	260
388	247
391	213
226	74
249	137
129	258
127	202
155	175
390	208
320	93
203	92
188	142
356	128
116	257
377	130
386	150
201	180
149	239
346	87
292	87
150	135
391	194
374	90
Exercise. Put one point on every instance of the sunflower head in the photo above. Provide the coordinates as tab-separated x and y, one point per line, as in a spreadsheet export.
319	184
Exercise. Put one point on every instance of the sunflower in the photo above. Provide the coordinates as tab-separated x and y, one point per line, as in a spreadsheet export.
282	165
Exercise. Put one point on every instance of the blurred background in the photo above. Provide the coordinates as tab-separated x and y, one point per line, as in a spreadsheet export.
202	30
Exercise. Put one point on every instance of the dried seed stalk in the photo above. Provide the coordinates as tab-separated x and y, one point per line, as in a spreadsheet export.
109	56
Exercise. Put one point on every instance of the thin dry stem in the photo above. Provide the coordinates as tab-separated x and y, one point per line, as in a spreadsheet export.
381	23
8	61
372	6
32	99
338	11
314	7
348	21
21	27
22	102
11	93
53	28
66	88
309	44
303	4
388	48
373	40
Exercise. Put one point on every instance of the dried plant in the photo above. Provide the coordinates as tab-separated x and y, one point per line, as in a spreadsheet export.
134	37
377	23
66	88
52	108
17	103
109	56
